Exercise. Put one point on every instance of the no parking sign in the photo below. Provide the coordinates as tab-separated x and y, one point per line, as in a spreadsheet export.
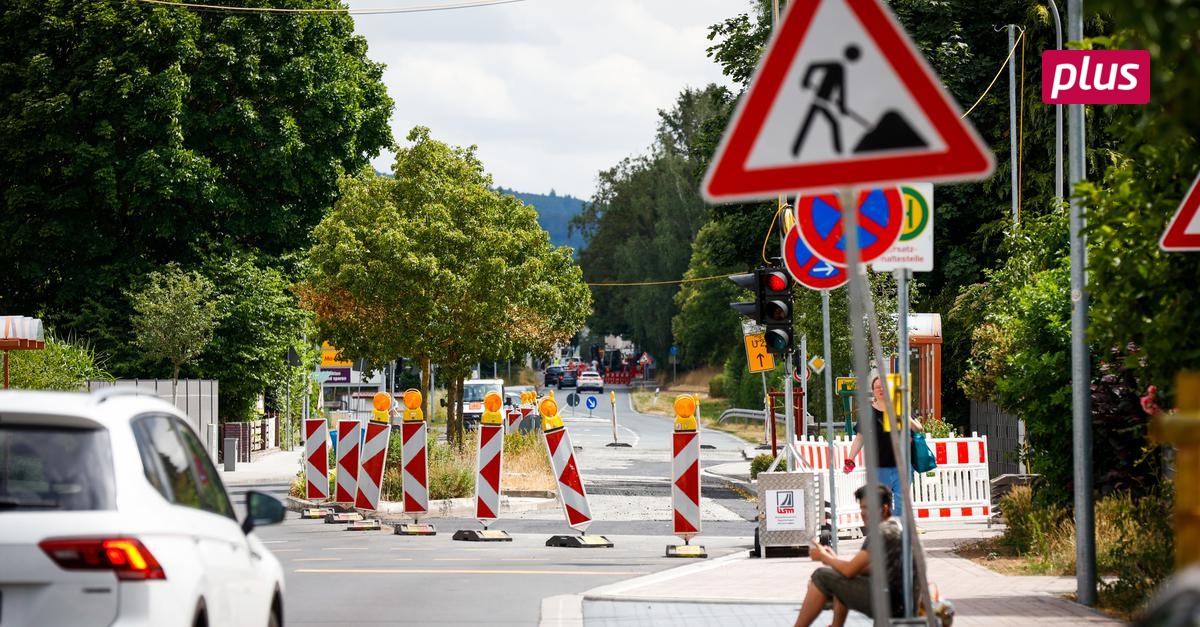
880	218
808	269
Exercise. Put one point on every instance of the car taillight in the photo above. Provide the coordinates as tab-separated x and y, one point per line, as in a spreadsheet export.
128	558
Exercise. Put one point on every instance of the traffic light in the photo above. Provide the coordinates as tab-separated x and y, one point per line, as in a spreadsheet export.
775	306
750	282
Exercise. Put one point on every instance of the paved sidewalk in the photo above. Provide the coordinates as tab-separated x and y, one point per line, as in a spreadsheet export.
275	466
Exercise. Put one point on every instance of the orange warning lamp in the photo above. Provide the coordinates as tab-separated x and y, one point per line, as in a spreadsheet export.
548	408
382	402
491	409
685	413
412	402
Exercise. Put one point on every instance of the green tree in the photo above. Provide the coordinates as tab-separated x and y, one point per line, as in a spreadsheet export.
433	264
64	364
136	135
175	315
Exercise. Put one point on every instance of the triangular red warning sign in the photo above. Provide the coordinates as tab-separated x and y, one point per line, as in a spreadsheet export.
1183	231
842	97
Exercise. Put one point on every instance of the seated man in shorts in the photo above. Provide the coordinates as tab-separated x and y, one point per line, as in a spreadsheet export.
848	582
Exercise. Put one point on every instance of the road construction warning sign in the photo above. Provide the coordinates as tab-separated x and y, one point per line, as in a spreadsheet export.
842	97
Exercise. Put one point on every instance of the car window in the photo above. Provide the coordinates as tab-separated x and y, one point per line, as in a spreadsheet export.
474	393
176	465
212	492
46	468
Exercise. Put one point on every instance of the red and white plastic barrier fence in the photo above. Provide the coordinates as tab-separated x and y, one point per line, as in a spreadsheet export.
316	459
370	474
347	461
562	457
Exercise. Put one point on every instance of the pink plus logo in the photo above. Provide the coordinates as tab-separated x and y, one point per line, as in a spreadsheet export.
1096	76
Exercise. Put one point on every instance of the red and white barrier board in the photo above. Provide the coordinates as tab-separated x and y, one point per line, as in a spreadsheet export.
370	473
489	464
347	461
415	462
316	459
685	483
570	486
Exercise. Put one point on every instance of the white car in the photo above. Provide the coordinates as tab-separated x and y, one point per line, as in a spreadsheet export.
590	380
112	513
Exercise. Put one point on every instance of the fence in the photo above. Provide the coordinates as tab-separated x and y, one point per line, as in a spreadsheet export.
1003	435
959	489
195	397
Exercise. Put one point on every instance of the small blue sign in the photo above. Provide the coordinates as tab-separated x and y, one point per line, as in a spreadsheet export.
590	402
674	350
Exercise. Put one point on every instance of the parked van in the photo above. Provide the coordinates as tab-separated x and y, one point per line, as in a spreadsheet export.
472	400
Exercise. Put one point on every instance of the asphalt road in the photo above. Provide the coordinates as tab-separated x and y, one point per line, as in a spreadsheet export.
339	577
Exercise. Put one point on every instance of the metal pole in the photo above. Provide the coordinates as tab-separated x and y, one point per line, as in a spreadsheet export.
1081	414
287	414
1012	119
804	385
833	530
789	413
768	415
905	412
880	605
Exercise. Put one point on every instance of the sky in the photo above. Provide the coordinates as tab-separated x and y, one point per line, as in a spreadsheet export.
550	91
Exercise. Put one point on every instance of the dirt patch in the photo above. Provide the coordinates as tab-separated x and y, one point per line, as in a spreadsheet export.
995	557
694	381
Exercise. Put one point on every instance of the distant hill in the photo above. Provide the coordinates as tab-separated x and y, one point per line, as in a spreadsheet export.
554	212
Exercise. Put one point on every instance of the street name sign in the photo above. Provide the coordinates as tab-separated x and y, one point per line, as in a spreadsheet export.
842	97
1183	231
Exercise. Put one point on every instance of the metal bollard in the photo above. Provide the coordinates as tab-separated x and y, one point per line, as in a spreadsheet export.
231	451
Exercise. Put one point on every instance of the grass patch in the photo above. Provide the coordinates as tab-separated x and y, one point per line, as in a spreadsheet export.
663	404
1134	545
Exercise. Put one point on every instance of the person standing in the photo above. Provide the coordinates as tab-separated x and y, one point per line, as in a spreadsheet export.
889	473
848	582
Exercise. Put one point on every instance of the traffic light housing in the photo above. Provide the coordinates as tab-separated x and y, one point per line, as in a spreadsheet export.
749	281
775	306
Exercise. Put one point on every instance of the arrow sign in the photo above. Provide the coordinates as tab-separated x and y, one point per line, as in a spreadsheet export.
880	217
1183	231
590	402
808	269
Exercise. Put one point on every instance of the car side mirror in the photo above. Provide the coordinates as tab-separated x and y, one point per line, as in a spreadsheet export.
262	509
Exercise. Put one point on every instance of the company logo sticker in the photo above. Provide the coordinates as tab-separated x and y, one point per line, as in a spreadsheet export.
1096	76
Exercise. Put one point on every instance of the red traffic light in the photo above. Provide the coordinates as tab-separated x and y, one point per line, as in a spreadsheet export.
777	282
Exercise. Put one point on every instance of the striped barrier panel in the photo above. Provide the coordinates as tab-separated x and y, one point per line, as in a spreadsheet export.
489	460
316	459
562	458
958	489
370	473
415	464
685	478
347	461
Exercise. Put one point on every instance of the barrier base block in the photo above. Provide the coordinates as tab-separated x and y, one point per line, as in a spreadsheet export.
364	525
686	550
315	513
482	535
340	518
580	542
619	444
416	529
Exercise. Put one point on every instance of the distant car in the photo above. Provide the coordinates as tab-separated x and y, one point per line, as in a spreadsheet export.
472	399
552	375
590	380
567	380
111	512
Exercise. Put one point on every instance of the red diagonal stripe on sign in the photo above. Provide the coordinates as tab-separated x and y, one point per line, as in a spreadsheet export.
319	455
411	505
683	525
486	435
689	483
374	466
570	476
342	495
482	510
311	427
574	516
410	429
491	472
416	466
681	440
554	438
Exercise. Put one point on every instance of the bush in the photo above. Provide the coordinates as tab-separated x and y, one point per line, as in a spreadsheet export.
451	470
716	386
762	462
1134	542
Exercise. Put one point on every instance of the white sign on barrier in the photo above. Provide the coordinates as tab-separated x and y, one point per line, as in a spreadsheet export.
785	510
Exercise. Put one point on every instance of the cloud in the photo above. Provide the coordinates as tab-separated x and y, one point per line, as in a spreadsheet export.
551	91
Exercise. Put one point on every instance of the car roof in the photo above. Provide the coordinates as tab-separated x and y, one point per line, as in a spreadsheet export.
97	406
588	372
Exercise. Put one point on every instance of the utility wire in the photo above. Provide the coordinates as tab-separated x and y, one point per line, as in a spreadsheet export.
998	73
674	282
468	4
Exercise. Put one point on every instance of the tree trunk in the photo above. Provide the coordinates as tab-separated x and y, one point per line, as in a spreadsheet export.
454	417
174	381
426	377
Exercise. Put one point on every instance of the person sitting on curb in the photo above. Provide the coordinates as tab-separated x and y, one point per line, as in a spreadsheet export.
848	582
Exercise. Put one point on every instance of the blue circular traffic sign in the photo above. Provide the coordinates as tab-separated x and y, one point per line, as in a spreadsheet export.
808	269
880	218
590	402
